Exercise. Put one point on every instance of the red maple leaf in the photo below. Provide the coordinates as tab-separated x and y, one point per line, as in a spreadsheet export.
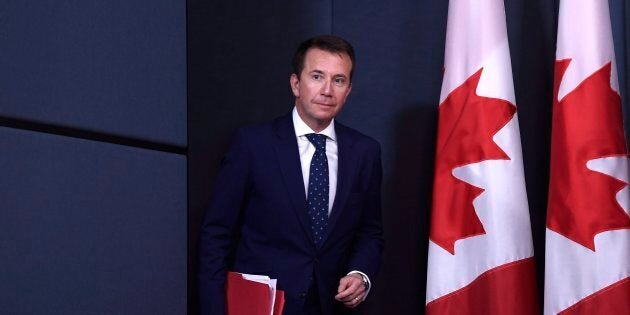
586	125
467	123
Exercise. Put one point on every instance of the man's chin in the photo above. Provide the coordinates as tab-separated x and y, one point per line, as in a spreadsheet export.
326	112
325	118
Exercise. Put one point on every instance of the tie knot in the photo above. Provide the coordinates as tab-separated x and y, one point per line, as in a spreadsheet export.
319	141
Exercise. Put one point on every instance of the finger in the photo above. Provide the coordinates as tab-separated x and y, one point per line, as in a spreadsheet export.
346	288
344	283
354	302
354	295
350	291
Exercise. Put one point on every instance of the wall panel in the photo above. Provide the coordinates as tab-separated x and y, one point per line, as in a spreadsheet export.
90	228
116	67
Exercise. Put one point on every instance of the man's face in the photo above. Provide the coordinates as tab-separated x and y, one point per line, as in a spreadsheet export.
322	87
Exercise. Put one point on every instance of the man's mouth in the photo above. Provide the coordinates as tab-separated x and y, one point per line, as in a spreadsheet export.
325	104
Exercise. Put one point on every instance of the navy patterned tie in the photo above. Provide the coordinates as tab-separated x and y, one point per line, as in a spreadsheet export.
317	200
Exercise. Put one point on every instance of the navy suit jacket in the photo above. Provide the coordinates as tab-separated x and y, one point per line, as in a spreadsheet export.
257	219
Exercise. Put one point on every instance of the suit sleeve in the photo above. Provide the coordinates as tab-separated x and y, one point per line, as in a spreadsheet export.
366	253
220	227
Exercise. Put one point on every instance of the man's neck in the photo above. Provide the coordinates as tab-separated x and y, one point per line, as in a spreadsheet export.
316	125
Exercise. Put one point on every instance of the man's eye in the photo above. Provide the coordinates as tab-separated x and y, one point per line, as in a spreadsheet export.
317	76
340	81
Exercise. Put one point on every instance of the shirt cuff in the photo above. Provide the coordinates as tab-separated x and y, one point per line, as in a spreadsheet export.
367	290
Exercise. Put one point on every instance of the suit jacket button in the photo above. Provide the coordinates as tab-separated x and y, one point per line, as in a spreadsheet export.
316	261
302	295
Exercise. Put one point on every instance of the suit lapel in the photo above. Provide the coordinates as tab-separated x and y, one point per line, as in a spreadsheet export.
286	149
347	164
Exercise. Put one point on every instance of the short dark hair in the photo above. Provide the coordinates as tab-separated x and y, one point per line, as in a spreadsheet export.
329	43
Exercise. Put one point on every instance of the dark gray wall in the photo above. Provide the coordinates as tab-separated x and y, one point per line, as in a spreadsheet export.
93	133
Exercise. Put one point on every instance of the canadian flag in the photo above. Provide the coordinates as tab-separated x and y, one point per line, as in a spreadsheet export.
587	264
480	249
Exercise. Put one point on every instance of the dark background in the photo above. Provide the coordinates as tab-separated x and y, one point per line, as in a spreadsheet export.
239	64
114	116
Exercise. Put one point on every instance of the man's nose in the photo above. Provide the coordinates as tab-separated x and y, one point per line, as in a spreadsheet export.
327	88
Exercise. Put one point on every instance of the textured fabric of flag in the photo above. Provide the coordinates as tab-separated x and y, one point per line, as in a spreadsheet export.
480	249
587	253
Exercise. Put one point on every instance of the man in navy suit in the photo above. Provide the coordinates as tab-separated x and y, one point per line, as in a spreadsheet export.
298	198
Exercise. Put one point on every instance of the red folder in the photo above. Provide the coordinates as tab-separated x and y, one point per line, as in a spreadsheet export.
246	297
278	306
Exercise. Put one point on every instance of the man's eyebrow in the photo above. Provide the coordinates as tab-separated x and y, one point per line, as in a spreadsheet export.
338	75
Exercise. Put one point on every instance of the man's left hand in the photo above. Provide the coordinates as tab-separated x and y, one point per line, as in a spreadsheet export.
351	291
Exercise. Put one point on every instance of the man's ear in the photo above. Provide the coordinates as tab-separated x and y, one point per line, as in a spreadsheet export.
294	81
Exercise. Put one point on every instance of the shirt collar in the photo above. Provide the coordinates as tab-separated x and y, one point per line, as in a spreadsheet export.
301	128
